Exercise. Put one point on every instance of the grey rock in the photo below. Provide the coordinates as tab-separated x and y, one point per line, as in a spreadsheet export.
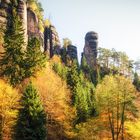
90	48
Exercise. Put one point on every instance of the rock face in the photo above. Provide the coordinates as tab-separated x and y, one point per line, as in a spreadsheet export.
90	48
33	27
72	52
51	41
69	54
27	16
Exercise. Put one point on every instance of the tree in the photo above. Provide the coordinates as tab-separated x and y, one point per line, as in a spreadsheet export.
136	81
115	100
35	59
9	102
66	42
73	80
84	99
31	124
57	100
84	66
11	63
82	93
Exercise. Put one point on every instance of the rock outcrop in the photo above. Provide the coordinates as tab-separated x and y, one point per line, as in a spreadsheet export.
72	52
90	48
69	54
27	16
49	38
33	27
51	41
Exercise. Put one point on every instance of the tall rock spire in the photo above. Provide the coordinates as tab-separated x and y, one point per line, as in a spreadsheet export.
90	48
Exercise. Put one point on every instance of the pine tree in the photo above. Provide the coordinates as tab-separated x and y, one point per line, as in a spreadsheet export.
31	124
84	66
35	59
82	93
73	79
11	63
136	81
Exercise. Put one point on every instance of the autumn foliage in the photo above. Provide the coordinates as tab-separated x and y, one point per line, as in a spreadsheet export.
56	98
9	102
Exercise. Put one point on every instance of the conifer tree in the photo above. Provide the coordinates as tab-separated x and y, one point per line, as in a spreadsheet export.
136	81
11	63
31	124
73	79
82	93
35	59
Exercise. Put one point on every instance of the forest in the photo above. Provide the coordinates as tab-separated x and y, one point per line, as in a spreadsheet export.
48	95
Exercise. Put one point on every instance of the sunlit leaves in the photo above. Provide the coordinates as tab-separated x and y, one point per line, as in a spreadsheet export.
9	98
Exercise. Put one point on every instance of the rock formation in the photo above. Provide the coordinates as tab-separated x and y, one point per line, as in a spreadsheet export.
28	18
49	38
69	54
33	27
90	48
51	41
72	52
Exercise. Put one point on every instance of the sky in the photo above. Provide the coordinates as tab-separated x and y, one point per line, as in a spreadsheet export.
117	22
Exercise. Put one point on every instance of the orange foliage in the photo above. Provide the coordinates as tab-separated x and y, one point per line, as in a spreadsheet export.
56	99
56	59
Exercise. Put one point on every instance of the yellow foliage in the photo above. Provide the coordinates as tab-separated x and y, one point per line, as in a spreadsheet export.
33	6
133	129
47	23
115	101
92	130
56	99
9	98
56	59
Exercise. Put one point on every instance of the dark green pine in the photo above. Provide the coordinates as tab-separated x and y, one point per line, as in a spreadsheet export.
35	59
11	63
32	119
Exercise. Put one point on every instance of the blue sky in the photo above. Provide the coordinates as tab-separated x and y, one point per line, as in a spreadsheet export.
116	21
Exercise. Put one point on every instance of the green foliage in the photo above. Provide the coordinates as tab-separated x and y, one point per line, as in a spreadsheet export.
11	62
61	70
64	55
136	81
115	100
114	62
82	93
90	130
35	59
84	66
84	99
31	124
